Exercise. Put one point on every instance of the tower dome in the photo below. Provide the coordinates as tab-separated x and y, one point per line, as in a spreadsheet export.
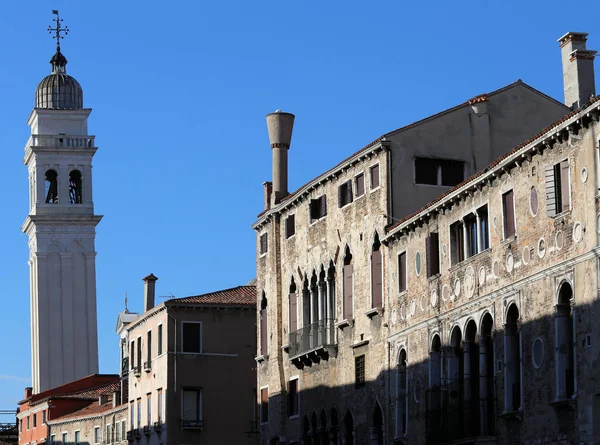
59	91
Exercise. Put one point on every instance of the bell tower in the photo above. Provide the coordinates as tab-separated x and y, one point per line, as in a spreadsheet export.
61	229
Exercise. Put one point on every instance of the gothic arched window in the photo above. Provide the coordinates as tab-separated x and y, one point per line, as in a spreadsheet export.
75	187
51	190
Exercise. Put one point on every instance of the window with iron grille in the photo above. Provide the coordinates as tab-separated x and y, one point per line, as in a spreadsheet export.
359	367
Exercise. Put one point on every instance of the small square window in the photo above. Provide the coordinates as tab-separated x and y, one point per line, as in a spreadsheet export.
264	244
359	367
192	337
374	176
290	226
359	185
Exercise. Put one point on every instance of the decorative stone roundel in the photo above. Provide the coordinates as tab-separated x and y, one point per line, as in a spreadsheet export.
584	175
510	262
469	282
560	240
541	247
495	222
403	311
445	292
577	232
457	287
434	298
423	302
526	254
413	307
481	276
444	248
538	353
394	316
418	263
496	269
533	201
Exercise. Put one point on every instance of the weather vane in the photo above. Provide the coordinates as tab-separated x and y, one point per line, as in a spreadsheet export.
58	29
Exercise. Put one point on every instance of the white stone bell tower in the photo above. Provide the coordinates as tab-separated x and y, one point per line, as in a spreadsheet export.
61	230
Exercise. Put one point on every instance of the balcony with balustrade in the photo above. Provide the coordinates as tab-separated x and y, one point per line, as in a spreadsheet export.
313	343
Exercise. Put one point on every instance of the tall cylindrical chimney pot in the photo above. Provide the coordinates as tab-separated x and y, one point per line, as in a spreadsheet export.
149	291
280	127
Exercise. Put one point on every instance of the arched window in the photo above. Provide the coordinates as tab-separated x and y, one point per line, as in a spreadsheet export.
377	429
471	380
331	301
314	298
333	427
263	325
348	285
306	431
51	187
305	303
434	394
75	187
401	395
348	429
512	358
376	274
323	428
293	308
315	430
486	367
565	357
456	375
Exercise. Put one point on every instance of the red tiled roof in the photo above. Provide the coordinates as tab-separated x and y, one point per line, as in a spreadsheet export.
237	296
495	163
93	393
93	409
477	99
83	384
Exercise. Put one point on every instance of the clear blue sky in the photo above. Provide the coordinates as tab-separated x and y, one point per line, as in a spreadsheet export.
180	91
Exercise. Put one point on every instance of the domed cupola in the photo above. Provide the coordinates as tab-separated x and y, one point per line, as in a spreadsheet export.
59	91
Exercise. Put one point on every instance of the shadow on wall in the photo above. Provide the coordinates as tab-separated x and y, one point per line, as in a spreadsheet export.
526	380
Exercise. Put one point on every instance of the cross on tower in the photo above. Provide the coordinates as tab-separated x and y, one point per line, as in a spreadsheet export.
58	29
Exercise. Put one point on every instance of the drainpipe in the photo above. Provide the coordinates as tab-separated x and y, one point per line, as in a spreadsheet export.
174	356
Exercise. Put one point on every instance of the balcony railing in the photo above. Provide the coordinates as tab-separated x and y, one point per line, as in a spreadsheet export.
191	424
148	366
40	140
124	366
316	337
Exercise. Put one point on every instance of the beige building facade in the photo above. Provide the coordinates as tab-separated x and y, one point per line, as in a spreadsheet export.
346	306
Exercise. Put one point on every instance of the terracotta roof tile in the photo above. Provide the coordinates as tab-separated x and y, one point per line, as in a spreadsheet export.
93	409
93	393
431	204
237	296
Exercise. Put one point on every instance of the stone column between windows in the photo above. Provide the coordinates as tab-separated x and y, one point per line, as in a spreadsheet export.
331	300
478	228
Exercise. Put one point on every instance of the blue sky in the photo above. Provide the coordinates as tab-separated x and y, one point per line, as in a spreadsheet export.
180	91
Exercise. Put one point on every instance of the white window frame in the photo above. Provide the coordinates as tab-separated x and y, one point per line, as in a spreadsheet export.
75	436
99	441
201	338
371	188
64	436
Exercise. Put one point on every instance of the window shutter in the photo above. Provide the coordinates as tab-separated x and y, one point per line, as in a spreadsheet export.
509	215
190	405
293	312
341	196
348	292
376	279
434	253
550	191
323	207
263	332
402	271
428	255
565	192
348	192
314	209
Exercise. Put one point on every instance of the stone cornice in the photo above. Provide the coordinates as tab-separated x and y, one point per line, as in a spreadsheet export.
59	220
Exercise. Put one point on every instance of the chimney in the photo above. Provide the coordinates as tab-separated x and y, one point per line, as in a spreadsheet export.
102	399
578	69
149	287
280	127
268	185
28	392
116	398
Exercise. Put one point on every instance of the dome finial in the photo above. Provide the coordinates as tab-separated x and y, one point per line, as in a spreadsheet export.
58	61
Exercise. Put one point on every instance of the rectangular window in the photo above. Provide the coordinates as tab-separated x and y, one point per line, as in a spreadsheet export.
443	172
293	408
149	346
318	208
264	243
376	279
264	405
64	437
290	226
132	415
457	251
432	252
558	188
359	368
35	420
149	408
159	404
132	354
139	353
118	432
53	438
97	435
483	229
345	194
139	412
44	417
192	406
159	340
264	321
28	422
123	430
293	298
402	272
21	426
348	284
108	433
508	209
192	337
359	185
77	437
374	172
470	223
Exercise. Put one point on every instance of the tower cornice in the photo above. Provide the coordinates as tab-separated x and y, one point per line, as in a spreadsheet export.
60	220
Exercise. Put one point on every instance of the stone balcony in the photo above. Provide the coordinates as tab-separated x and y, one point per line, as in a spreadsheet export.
313	343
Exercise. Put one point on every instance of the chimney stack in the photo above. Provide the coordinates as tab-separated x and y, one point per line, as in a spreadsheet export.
149	290
578	69
28	392
280	127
